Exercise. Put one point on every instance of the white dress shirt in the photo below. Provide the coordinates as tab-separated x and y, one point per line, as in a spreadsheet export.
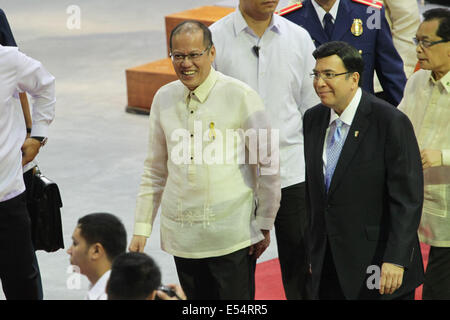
207	207
280	75
20	73
97	291
321	12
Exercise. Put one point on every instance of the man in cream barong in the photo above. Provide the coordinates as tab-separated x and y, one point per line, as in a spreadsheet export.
215	217
427	103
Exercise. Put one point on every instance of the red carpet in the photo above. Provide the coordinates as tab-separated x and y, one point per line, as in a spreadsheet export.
270	287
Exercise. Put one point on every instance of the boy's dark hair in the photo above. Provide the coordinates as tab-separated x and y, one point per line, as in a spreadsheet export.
106	229
134	276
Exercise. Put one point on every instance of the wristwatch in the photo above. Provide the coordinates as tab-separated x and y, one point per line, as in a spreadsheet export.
42	140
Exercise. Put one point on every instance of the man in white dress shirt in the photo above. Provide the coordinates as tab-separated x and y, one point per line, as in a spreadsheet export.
274	57
19	73
96	241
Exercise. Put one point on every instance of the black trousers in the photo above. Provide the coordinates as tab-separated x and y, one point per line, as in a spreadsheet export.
290	226
228	277
330	288
28	178
437	276
18	276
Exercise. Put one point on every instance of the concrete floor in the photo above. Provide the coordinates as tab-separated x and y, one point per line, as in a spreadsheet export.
96	150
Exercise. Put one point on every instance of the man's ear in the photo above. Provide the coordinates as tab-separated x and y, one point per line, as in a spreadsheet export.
356	76
96	251
212	53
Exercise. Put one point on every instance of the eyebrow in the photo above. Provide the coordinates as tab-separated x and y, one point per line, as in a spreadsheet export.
193	51
326	70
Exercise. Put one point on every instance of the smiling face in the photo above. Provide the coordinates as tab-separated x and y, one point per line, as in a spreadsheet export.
259	9
192	72
335	93
436	57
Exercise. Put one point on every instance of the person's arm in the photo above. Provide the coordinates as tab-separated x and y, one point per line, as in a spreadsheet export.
389	64
153	181
30	147
26	112
268	190
404	180
40	84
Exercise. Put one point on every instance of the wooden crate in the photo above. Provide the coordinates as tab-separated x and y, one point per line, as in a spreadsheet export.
143	82
206	15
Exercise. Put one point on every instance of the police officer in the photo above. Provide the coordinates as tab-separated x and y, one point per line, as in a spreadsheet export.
361	23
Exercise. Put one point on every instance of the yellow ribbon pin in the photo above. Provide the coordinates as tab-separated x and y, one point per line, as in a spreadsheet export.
212	132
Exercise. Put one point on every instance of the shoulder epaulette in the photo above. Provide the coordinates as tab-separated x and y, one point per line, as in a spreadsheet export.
289	9
372	3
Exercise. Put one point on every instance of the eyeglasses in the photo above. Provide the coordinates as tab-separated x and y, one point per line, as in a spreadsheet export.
327	75
426	43
194	56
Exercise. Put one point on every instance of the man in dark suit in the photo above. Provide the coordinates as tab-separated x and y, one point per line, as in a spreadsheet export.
362	24
364	186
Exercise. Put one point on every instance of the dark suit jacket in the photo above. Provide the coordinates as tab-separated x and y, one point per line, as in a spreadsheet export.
6	36
372	210
376	44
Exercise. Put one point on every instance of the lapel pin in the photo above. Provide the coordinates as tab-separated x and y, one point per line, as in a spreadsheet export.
356	134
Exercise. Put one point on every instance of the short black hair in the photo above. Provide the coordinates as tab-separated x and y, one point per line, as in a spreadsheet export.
192	25
350	57
134	276
106	229
443	16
